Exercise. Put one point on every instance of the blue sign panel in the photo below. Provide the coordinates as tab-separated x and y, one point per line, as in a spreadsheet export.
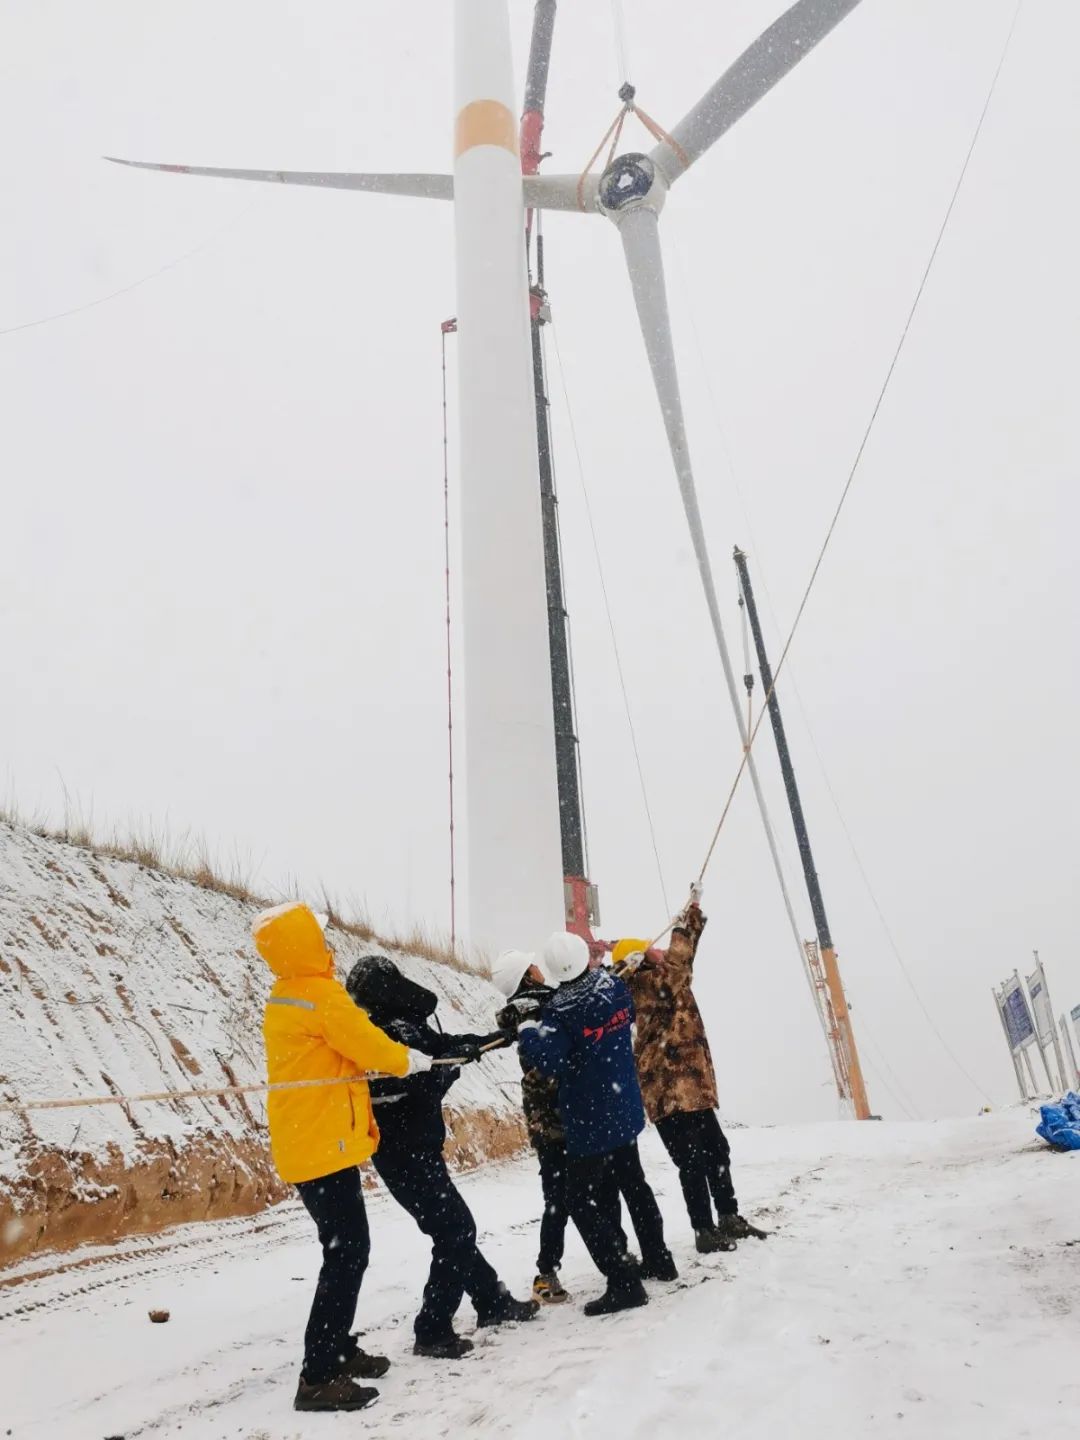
1017	1018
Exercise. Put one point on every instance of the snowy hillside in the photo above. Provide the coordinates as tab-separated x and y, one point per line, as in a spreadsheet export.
115	978
923	1283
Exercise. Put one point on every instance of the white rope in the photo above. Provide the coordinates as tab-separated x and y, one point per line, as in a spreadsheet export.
89	1101
694	518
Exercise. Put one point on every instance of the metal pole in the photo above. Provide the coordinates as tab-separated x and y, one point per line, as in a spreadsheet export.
566	743
571	821
449	327
1050	1017
813	885
1038	1038
1031	1073
1068	1044
536	80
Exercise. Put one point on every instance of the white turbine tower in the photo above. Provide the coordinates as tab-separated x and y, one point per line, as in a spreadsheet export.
514	855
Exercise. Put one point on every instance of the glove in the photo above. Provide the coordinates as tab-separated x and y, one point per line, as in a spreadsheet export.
467	1051
419	1063
631	963
696	892
510	1017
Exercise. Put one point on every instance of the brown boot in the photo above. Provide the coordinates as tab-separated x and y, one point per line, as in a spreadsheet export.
341	1393
363	1366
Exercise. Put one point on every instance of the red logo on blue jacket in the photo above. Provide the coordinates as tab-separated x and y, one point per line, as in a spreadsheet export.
618	1021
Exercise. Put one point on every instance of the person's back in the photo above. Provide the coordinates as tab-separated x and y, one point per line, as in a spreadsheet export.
585	1041
678	1080
582	1037
409	1110
674	1061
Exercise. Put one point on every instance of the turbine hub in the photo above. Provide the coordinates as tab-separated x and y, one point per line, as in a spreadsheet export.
631	182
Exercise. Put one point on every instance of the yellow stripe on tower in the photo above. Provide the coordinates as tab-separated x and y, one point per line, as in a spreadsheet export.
485	122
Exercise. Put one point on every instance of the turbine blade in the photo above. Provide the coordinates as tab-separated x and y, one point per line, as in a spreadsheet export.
641	244
427	187
561	192
640	234
541	192
776	51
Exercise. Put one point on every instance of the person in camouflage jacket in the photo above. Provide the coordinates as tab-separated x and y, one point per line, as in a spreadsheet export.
520	980
677	1078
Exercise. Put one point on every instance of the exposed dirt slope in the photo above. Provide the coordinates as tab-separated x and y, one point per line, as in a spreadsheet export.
119	979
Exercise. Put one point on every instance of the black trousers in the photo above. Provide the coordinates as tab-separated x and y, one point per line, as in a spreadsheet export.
336	1204
422	1185
593	1186
628	1182
702	1155
552	1160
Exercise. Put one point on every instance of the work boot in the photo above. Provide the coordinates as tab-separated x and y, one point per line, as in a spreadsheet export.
340	1393
451	1347
743	1230
625	1293
362	1366
506	1310
660	1266
548	1290
713	1241
734	1227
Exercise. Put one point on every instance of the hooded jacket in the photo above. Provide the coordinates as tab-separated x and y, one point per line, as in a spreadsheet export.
582	1038
313	1031
409	1111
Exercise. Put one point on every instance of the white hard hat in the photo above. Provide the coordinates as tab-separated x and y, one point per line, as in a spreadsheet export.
509	970
564	957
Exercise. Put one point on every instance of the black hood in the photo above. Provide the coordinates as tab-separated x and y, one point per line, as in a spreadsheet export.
377	985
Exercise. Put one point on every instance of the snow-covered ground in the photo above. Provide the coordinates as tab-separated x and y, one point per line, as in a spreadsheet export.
923	1281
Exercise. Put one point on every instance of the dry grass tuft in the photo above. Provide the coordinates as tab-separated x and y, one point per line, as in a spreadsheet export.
192	861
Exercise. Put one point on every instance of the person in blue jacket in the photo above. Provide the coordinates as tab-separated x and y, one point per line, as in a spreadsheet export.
582	1038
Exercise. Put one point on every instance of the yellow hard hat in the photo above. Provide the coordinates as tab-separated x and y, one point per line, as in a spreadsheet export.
623	948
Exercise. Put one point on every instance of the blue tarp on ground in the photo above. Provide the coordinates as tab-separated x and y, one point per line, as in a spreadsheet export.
1061	1123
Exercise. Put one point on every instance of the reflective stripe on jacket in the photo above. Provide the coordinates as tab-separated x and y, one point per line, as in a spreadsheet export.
313	1031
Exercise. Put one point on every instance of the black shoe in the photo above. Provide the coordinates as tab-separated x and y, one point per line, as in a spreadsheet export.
713	1242
507	1310
660	1266
453	1347
362	1366
341	1393
623	1295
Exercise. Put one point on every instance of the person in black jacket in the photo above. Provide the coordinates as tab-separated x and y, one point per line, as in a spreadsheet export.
410	1161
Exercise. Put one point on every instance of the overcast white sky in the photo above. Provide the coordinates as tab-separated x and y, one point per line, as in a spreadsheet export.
221	577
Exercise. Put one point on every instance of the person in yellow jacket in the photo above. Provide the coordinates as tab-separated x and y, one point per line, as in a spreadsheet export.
320	1135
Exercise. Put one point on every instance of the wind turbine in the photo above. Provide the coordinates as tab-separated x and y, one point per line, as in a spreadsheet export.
515	874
